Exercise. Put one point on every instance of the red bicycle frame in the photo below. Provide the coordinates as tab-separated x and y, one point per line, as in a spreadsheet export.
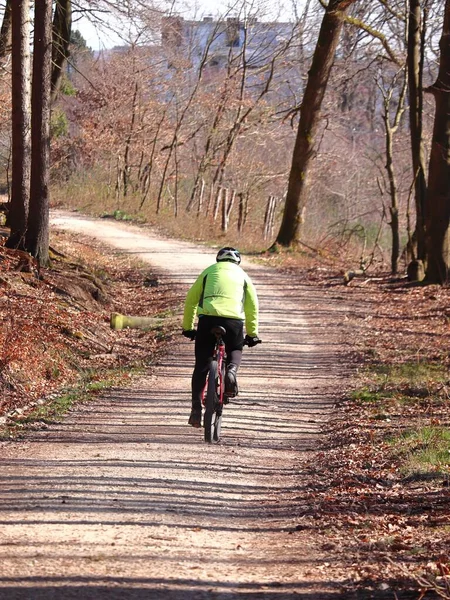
219	356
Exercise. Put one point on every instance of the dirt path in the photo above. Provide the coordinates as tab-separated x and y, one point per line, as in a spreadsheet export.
120	500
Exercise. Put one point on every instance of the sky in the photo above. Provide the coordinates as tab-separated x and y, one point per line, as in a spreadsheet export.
115	33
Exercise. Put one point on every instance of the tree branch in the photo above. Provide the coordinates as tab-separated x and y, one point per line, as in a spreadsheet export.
376	34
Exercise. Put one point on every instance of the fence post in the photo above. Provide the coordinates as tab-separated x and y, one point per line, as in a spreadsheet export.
210	199
266	218
217	200
225	195
269	216
272	215
231	203
200	198
240	223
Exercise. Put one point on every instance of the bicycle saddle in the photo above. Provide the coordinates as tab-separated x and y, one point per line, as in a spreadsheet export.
218	330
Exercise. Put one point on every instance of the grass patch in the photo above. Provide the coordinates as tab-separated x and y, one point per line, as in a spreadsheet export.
423	450
414	395
370	396
403	383
55	407
411	371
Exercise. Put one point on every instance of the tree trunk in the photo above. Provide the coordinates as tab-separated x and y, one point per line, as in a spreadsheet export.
126	173
5	31
390	131
414	61
438	196
395	250
62	28
318	76
37	239
20	186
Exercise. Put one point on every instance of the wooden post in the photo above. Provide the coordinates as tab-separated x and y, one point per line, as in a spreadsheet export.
200	198
225	195
246	205
210	199
240	223
227	205
118	178
217	200
267	217
272	215
231	204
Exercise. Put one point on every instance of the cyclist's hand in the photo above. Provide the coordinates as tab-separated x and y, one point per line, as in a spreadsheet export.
190	334
251	341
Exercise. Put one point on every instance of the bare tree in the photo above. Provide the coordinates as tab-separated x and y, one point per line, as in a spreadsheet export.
415	75
319	74
391	126
62	27
182	114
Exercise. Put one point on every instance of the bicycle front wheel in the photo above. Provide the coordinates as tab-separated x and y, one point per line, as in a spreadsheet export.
210	419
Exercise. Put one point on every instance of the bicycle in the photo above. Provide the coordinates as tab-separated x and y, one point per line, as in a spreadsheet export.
214	396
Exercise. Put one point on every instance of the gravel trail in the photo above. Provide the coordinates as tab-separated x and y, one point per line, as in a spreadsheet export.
123	500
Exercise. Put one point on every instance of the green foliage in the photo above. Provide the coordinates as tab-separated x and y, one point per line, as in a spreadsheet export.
77	40
120	215
368	395
67	88
59	124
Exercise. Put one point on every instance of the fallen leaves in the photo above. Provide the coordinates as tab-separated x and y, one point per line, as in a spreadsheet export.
392	531
54	328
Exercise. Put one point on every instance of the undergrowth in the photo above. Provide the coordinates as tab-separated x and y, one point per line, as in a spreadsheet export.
418	392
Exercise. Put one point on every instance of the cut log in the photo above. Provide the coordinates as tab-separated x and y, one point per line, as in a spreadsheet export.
119	321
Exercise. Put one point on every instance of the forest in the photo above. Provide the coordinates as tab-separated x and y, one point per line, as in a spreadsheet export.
262	134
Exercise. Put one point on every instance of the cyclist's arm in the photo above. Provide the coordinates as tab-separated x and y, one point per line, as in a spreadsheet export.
251	309
191	303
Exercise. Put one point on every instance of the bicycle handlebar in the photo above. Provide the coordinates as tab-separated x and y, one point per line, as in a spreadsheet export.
219	331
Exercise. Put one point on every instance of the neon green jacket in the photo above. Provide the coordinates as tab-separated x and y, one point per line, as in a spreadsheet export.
223	290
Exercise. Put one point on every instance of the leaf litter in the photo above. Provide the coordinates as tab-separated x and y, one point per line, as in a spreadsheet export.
55	324
384	520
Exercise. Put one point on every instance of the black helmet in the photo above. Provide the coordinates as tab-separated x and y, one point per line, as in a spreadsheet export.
229	254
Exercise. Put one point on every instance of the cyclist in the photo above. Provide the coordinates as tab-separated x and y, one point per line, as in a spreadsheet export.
224	295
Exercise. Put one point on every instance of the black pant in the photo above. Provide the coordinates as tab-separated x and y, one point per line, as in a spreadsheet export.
204	348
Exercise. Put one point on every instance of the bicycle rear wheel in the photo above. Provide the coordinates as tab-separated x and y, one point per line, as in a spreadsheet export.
217	425
218	420
211	420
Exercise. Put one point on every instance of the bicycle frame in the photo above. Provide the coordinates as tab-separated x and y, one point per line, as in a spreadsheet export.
219	356
213	394
213	397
